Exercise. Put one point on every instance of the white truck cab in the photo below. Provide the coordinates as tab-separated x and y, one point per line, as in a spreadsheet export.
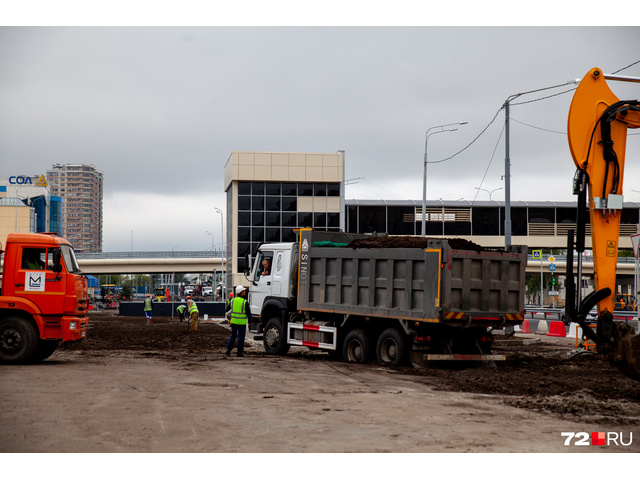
273	275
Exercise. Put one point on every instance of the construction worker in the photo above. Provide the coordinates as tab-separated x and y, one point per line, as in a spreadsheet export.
240	313
181	308
148	307
228	307
194	313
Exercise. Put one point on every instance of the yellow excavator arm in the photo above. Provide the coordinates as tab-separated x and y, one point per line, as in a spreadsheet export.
597	133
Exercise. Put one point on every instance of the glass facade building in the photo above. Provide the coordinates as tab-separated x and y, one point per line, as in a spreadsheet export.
270	194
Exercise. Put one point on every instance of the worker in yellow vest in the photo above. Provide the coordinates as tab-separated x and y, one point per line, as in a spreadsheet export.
240	313
194	313
148	307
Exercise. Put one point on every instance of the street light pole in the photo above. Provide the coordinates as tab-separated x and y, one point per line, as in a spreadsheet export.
507	160
424	173
224	249
211	234
490	192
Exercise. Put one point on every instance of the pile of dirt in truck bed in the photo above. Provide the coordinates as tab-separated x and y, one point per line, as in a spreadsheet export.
411	242
545	376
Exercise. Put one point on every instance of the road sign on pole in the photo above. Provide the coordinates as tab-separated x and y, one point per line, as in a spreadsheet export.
552	267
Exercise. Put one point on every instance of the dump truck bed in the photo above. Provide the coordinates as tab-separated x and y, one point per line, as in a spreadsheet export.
436	284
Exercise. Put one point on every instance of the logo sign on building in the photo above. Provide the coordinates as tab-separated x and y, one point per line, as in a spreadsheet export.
34	282
40	181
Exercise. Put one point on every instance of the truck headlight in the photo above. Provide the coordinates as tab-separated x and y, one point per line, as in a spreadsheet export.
73	325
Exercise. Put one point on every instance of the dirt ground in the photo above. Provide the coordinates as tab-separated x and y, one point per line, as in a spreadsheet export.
133	387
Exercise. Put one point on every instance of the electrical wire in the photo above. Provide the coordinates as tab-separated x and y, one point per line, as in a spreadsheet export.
537	128
624	68
544	98
490	161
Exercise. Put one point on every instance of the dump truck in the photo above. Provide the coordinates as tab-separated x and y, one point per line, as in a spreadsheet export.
397	300
43	298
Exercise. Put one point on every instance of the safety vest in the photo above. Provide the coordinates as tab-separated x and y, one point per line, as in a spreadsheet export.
181	308
147	304
193	308
238	311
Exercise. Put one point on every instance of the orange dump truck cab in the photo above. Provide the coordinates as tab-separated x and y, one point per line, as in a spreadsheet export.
43	297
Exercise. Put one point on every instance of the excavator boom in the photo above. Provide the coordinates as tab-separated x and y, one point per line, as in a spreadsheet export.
597	133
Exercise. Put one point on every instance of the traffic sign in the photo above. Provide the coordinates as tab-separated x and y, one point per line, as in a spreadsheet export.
552	267
552	258
537	254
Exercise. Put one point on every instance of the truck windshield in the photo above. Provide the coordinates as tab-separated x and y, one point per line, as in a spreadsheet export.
70	259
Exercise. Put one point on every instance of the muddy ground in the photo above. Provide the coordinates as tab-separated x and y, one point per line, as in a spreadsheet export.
133	387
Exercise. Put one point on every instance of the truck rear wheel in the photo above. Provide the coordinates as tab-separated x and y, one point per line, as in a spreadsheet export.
392	347
274	338
357	347
18	340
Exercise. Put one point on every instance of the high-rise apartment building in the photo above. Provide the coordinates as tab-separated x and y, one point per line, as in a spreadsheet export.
81	188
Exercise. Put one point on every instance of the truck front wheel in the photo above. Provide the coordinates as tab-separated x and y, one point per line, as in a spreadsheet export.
274	338
392	347
18	340
357	347
45	349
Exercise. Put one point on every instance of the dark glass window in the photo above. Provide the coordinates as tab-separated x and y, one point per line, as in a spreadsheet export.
289	204
333	189
372	219
257	219
244	234
320	220
305	189
244	219
290	189
273	204
289	219
333	220
257	234
305	219
244	188
457	228
273	219
257	188
243	248
244	203
288	235
402	221
352	219
519	225
257	203
485	221
320	189
566	215
272	235
542	215
433	228
628	216
273	189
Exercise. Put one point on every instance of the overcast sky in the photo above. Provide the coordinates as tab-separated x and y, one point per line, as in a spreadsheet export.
160	109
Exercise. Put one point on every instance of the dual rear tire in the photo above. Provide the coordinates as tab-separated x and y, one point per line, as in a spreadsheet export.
392	347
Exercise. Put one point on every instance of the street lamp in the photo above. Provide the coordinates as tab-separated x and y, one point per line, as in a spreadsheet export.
211	234
424	176
489	191
224	250
507	160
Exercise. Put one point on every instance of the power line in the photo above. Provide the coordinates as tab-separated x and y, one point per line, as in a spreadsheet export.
624	68
538	128
489	165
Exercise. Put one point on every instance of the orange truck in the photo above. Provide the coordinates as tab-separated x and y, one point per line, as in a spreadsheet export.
43	297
